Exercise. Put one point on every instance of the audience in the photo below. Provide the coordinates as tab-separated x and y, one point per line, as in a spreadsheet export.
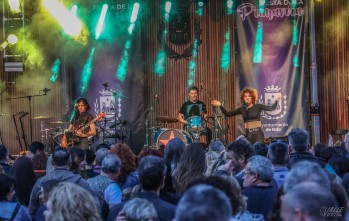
138	209
260	148
216	146
90	159
76	205
78	161
39	159
278	155
100	154
4	159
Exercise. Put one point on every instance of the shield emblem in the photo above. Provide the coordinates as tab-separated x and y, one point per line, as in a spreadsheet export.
270	99
107	105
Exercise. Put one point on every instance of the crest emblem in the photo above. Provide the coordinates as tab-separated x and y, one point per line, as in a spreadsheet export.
269	98
107	104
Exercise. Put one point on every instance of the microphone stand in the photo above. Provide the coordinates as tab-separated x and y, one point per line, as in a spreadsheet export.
30	110
106	88
17	133
23	132
1	114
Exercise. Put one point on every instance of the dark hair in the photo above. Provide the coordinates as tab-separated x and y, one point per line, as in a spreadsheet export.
318	148
84	101
36	146
23	173
340	164
60	157
149	152
174	150
77	156
48	186
260	148
6	183
193	88
102	145
298	139
327	153
3	152
241	147
278	152
151	172
90	157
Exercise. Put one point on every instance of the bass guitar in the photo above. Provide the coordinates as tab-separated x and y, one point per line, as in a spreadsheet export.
67	140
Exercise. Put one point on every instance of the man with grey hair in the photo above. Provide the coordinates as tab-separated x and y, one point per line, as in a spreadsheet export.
260	193
309	201
104	185
278	155
298	141
138	209
306	171
216	146
205	203
100	154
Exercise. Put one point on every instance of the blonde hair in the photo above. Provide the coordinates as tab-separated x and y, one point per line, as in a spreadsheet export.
253	92
71	202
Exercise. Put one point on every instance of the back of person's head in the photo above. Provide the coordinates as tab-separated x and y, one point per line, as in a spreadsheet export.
318	148
76	205
35	146
128	160
204	203
3	153
111	164
341	196
241	147
149	152
174	150
327	153
346	138
306	171
216	146
262	166
100	154
61	157
138	209
310	200
260	148
340	164
7	184
151	172
90	157
278	153
298	139
102	145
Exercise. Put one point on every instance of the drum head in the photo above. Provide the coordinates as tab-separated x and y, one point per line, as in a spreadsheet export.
168	135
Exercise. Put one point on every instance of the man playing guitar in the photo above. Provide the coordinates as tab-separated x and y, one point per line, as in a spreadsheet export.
80	119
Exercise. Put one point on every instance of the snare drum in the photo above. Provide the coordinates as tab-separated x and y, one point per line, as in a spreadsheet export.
195	124
164	135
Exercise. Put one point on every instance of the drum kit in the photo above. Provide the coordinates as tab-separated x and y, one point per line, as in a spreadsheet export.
192	133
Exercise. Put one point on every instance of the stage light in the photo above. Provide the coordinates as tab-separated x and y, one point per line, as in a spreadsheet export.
74	9
192	64
230	5
258	47
168	6
12	39
55	70
122	68
15	6
134	12
101	21
225	59
87	73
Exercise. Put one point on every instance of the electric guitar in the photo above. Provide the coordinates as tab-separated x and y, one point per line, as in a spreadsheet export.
67	142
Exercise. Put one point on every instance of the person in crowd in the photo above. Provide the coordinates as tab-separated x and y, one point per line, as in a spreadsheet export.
39	158
237	154
23	173
318	148
149	152
128	168
211	158
61	161
260	148
194	108
251	113
216	146
90	159
82	118
100	154
173	151
1	170
298	140
203	202
340	164
10	210
260	193
342	199
78	159
4	159
309	201
138	209
104	185
45	190
151	174
192	164
278	155
76	205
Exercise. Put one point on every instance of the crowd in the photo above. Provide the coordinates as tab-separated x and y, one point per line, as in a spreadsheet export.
285	180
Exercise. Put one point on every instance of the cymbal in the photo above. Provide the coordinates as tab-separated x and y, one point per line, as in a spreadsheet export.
59	122
166	119
40	117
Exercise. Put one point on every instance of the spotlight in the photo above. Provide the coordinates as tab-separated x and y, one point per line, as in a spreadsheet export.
200	3
12	39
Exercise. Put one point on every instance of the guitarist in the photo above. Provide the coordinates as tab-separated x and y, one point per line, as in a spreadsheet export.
81	118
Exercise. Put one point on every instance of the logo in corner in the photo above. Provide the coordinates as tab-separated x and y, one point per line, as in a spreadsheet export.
271	92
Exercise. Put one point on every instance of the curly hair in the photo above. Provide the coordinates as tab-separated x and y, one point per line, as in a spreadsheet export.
149	152
77	203
128	160
253	92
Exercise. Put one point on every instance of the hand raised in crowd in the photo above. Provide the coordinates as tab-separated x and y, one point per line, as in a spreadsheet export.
216	103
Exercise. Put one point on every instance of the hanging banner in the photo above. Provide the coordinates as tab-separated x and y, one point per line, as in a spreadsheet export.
270	42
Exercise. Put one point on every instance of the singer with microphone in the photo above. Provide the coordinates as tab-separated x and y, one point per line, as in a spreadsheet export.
251	113
81	118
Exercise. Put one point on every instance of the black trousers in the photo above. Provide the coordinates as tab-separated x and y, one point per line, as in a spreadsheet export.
255	135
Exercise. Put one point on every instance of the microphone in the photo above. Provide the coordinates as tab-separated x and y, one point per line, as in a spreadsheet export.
10	83
245	105
75	105
106	85
45	90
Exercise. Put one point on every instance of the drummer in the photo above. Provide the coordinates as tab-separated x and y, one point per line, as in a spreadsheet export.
194	107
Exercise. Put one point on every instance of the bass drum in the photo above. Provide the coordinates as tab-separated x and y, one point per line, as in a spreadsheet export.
166	135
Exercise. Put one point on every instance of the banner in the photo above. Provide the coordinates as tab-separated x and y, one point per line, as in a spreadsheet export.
271	42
